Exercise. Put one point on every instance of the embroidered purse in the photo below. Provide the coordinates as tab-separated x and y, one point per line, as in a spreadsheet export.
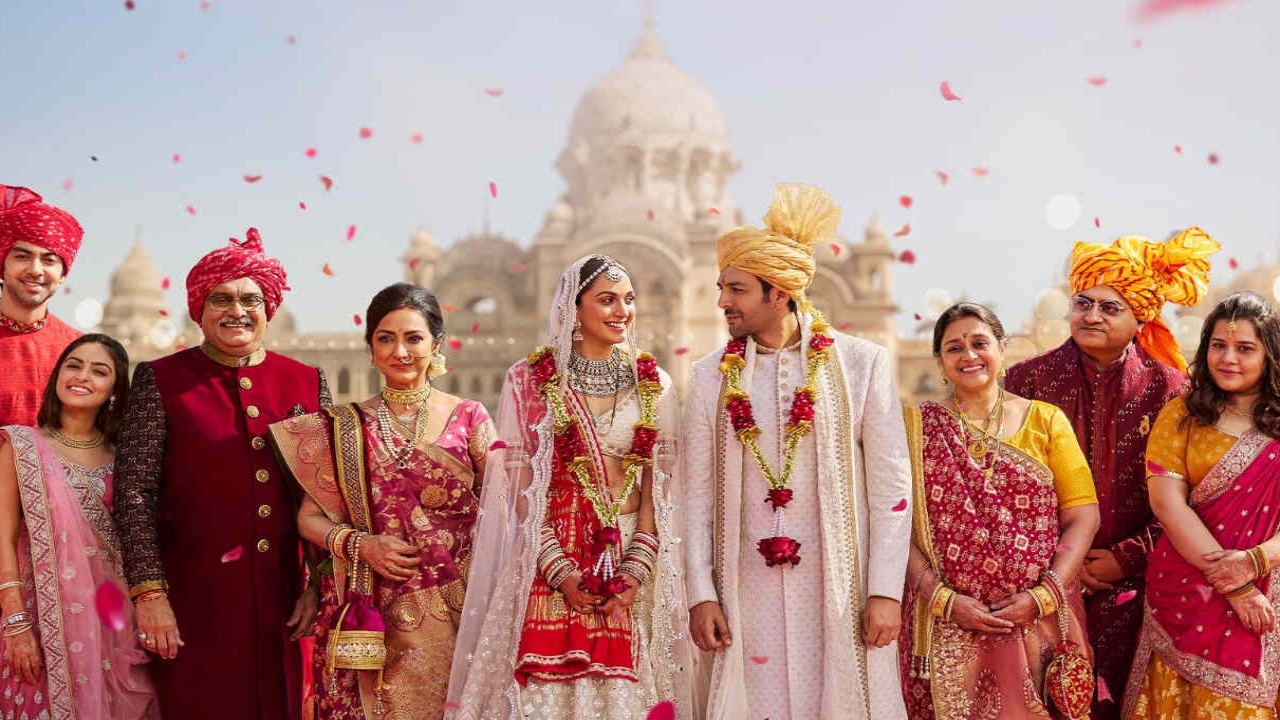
1068	678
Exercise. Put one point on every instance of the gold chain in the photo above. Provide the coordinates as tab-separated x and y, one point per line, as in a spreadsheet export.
412	396
80	444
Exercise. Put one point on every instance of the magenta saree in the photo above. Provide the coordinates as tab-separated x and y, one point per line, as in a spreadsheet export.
67	549
430	503
988	531
1188	625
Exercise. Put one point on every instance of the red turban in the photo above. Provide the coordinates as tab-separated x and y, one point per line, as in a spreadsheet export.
25	217
237	260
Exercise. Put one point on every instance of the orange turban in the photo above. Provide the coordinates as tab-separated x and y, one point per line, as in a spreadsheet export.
1149	274
781	253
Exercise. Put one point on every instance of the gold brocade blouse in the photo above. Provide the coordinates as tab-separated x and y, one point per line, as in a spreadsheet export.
1187	451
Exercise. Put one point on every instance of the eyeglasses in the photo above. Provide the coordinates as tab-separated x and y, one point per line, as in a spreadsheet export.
1082	304
222	302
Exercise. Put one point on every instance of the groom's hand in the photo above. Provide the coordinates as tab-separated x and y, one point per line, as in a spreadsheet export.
708	627
881	621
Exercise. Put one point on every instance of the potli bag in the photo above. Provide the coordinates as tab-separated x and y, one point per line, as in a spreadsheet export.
1069	679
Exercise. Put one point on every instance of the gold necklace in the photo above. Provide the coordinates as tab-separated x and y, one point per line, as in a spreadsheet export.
406	397
1237	413
976	441
79	444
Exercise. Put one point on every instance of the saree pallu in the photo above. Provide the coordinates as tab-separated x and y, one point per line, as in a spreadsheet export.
68	548
988	531
557	644
1188	625
428	503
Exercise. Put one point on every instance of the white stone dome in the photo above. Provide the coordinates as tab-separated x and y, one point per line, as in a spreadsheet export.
647	95
137	276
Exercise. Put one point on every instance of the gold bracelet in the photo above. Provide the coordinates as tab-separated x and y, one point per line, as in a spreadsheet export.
142	587
951	605
1242	591
1046	599
1259	557
942	596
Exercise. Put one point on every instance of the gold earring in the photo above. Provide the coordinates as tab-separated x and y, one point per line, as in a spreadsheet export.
437	367
577	330
945	381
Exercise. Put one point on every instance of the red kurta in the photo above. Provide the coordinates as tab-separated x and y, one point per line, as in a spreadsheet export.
1112	411
209	485
26	362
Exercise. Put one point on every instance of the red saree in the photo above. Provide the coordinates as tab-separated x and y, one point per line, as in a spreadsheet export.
986	537
1188	625
557	645
430	503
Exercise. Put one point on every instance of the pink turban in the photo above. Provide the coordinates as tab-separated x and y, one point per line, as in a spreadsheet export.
237	260
25	217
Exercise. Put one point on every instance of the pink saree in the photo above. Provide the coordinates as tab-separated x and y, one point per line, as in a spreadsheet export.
987	536
67	548
1189	625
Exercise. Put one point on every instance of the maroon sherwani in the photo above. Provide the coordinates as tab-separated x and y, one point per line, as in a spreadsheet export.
1112	411
202	504
27	359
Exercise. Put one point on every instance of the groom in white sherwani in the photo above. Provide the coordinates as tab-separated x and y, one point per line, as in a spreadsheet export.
798	488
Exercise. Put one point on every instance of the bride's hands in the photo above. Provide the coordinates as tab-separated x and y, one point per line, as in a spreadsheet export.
390	557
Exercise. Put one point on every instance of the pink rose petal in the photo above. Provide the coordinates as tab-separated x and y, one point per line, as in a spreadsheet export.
905	201
357	320
519	267
713	211
681	350
351	232
665	710
416	138
302	205
1098	80
1125	597
109	601
760	659
129	5
291	39
366	133
177	158
327	182
980	171
163	312
947	94
1213	158
835	249
1153	9
252	178
493	189
164	284
907	257
842	326
67	184
182	54
455	344
902	505
942	177
649	214
1177	149
475	327
310	152
1233	263
327	270
1097	223
1156	468
498	445
903	231
191	209
493	92
233	554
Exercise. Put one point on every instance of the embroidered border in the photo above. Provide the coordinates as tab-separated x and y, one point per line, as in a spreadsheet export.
1229	466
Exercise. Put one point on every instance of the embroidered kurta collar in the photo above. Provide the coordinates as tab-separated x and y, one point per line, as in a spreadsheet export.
20	327
254	358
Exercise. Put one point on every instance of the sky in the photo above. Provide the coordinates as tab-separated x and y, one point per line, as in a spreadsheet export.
180	100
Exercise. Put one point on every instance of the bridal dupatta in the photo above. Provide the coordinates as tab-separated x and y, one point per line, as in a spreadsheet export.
67	549
985	537
1189	625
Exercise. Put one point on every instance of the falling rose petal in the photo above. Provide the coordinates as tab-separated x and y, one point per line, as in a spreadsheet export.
904	231
835	249
326	181
327	270
191	209
233	554
164	284
163	312
66	184
1104	692
310	152
493	189
416	138
357	319
905	201
1098	80
942	177
649	214
252	178
760	659
916	316
681	350
1177	149
1213	158
182	54
497	445
1137	43
1156	468
292	39
665	710
713	211
302	205
981	172
448	308
93	158
1152	9
1233	263
519	267
907	257
947	94
1126	596
351	232
455	344
129	5
177	158
109	601
204	5
66	289
902	505
493	92
1097	223
842	326
366	133
475	326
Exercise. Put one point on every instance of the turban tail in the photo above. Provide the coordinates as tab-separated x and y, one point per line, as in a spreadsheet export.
237	260
1149	274
781	253
25	217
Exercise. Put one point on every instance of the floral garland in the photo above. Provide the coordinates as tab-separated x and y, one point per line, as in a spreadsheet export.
572	450
777	549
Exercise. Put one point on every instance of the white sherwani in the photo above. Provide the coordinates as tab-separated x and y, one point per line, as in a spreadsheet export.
797	650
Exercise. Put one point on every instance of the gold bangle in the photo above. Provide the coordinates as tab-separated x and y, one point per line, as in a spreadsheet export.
1259	557
10	584
142	587
1046	600
1242	591
951	605
942	596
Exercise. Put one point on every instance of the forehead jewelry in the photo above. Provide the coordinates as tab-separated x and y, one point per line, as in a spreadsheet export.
611	268
1231	327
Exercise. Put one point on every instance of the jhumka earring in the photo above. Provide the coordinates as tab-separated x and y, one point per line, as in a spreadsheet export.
437	367
945	381
577	330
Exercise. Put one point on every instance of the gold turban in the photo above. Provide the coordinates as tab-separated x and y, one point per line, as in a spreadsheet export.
781	253
1149	274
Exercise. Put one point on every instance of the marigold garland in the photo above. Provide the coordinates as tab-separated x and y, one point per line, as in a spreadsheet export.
572	450
777	549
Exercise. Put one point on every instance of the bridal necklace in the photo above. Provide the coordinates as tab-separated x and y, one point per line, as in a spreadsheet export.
390	430
978	440
599	378
78	444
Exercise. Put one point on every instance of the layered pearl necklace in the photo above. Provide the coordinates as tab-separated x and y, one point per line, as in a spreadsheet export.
390	427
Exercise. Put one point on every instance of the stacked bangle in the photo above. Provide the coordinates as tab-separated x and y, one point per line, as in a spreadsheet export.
144	587
943	600
1241	591
553	564
642	555
151	595
1260	564
17	623
10	584
336	540
1046	599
